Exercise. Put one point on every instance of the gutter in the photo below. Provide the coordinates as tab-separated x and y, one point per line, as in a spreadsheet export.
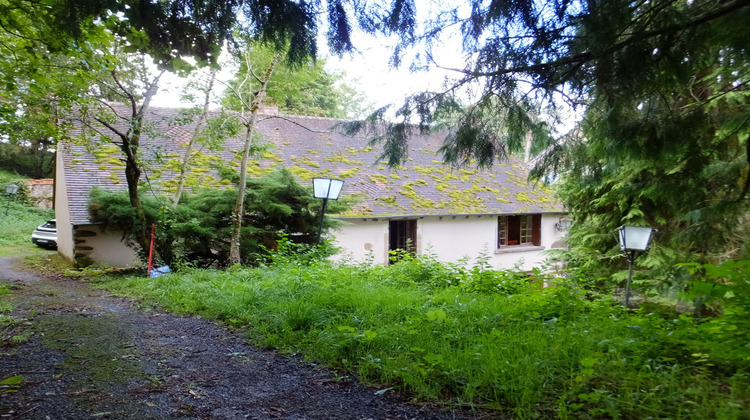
420	216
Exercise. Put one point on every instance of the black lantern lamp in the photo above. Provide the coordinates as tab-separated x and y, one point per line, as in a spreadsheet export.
633	239
327	189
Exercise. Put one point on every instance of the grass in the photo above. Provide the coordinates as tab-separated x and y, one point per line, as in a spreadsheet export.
468	337
21	220
13	331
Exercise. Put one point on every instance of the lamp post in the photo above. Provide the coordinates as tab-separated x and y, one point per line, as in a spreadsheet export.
10	190
632	239
327	189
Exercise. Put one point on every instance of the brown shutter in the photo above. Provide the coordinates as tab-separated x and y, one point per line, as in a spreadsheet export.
412	232
536	229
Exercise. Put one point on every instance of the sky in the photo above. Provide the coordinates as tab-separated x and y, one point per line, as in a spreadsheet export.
366	70
369	71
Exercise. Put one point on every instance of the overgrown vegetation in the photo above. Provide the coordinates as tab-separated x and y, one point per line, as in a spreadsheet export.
488	338
21	220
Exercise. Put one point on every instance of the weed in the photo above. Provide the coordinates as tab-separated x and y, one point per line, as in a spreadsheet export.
4	289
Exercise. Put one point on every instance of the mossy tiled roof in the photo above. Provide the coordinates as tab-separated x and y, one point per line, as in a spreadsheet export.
309	147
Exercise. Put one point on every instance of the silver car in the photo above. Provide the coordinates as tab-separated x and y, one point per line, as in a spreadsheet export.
45	235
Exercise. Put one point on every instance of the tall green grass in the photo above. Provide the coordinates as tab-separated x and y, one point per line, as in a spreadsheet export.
21	220
472	337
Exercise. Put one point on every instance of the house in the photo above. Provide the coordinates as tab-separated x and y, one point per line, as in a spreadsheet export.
451	213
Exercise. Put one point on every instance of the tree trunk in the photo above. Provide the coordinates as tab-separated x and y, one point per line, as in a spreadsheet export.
239	208
186	158
130	144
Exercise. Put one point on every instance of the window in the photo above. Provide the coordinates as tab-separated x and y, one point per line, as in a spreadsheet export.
402	234
518	230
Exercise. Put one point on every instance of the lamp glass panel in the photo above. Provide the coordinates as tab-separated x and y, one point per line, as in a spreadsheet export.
327	188
320	187
635	238
336	186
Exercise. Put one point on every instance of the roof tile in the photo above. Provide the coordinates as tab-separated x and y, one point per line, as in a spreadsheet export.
310	147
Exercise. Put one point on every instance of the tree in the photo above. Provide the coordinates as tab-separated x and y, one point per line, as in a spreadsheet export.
296	88
249	94
217	129
171	30
664	141
129	81
541	53
37	90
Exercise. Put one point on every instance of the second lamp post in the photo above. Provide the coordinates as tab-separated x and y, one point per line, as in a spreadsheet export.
632	239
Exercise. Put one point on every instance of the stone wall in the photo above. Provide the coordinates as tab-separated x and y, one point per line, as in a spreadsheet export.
41	192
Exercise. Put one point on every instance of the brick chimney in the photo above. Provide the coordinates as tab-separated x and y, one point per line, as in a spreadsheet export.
268	110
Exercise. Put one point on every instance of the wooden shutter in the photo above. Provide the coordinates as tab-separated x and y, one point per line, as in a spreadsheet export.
536	229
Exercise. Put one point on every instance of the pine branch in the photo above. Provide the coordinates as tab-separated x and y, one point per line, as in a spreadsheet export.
580	59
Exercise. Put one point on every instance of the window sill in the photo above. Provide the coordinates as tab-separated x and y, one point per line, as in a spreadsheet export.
519	248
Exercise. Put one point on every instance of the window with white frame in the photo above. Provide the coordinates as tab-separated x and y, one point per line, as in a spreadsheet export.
519	230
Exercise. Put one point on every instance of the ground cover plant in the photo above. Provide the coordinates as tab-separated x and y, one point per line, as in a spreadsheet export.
21	220
480	337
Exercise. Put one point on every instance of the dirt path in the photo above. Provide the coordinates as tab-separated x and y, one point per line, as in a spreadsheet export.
86	354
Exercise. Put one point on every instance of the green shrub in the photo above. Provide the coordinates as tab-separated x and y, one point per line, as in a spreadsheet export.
197	232
22	218
724	288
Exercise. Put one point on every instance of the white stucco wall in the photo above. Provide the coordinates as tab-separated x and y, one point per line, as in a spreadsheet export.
361	240
450	238
107	247
65	244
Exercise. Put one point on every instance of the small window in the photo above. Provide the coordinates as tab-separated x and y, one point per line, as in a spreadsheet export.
519	230
402	236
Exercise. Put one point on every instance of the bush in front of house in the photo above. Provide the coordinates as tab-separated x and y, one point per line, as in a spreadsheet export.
198	231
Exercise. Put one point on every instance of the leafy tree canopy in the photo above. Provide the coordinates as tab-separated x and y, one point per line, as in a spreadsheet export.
296	88
528	57
170	30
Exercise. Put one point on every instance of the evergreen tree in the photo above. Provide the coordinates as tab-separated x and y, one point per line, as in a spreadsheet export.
664	138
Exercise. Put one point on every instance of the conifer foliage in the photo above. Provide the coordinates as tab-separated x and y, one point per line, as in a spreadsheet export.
198	231
663	87
664	141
